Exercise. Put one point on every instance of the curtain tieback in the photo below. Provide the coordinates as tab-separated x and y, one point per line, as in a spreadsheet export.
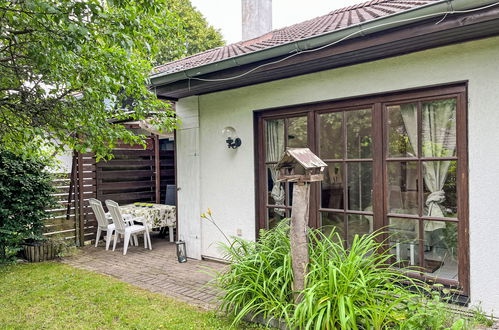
435	197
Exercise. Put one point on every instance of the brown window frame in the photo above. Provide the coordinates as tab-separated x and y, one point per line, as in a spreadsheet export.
377	102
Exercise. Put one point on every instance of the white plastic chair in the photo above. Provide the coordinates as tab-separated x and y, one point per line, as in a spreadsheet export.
127	231
102	221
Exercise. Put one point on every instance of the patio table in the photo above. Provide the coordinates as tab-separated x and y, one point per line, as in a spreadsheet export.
156	216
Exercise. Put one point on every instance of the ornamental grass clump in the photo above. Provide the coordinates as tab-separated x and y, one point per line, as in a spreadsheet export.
355	288
259	281
359	287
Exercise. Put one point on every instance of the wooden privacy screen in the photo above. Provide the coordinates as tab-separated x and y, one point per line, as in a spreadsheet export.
62	218
129	177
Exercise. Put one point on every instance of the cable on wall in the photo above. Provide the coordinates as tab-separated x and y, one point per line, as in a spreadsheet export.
360	31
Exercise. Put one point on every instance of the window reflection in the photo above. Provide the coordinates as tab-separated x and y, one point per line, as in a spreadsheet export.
403	188
359	136
440	249
360	186
297	132
358	225
402	137
333	220
331	135
332	187
404	241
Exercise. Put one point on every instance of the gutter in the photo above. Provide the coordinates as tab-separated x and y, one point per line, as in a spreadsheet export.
361	29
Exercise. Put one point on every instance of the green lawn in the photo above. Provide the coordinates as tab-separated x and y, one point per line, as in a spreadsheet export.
53	295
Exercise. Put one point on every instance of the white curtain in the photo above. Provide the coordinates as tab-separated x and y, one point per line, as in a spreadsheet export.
409	114
439	140
275	149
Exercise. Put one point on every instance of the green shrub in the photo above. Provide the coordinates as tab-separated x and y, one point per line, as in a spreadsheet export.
354	288
25	189
433	312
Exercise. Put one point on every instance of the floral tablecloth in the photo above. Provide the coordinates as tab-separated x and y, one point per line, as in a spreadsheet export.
157	216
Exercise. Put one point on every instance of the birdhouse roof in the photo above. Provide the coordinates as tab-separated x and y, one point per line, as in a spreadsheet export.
303	156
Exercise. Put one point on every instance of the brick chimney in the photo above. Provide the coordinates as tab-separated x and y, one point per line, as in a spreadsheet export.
257	18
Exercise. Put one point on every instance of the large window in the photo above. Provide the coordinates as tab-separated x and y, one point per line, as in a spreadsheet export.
396	163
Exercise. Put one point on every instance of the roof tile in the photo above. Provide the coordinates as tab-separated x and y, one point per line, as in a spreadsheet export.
337	19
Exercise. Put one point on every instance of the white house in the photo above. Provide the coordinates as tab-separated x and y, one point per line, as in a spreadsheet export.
398	97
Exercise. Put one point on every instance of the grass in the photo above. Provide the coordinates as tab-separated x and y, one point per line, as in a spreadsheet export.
56	296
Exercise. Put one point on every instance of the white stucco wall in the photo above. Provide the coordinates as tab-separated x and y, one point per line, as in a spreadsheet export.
226	177
188	176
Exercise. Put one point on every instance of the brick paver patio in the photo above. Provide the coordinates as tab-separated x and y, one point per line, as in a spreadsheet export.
156	270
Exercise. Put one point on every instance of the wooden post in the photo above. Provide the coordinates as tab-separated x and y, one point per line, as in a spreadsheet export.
71	186
81	219
157	165
74	175
298	237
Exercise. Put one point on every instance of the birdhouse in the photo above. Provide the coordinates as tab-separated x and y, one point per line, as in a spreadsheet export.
300	165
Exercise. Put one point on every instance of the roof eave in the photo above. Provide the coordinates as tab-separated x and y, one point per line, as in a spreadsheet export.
362	29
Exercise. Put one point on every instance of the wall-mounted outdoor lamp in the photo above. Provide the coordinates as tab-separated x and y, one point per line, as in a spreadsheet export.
181	252
231	138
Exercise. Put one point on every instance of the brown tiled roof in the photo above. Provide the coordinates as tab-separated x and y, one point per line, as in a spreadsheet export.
335	20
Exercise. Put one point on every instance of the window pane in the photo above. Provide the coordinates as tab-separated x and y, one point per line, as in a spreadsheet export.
359	136
440	193
360	186
331	135
332	187
275	190
402	130
275	215
297	132
439	128
359	225
403	188
333	220
404	241
441	246
274	140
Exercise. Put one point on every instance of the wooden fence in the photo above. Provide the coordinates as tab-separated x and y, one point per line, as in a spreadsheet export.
129	177
62	222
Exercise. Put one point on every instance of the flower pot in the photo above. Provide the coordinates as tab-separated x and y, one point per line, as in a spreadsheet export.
40	251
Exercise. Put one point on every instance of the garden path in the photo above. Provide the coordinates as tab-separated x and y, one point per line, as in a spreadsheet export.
156	270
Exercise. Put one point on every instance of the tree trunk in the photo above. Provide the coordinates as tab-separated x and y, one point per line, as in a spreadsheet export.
298	237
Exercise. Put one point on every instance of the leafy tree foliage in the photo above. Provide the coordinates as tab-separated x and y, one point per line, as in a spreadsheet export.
25	193
198	34
67	66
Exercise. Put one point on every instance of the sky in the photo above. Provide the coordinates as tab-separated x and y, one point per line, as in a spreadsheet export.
225	15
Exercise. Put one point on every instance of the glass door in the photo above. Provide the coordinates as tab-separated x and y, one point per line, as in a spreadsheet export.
281	133
396	163
421	185
346	194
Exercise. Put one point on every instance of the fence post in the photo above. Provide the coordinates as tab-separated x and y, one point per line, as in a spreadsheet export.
157	166
80	199
74	178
